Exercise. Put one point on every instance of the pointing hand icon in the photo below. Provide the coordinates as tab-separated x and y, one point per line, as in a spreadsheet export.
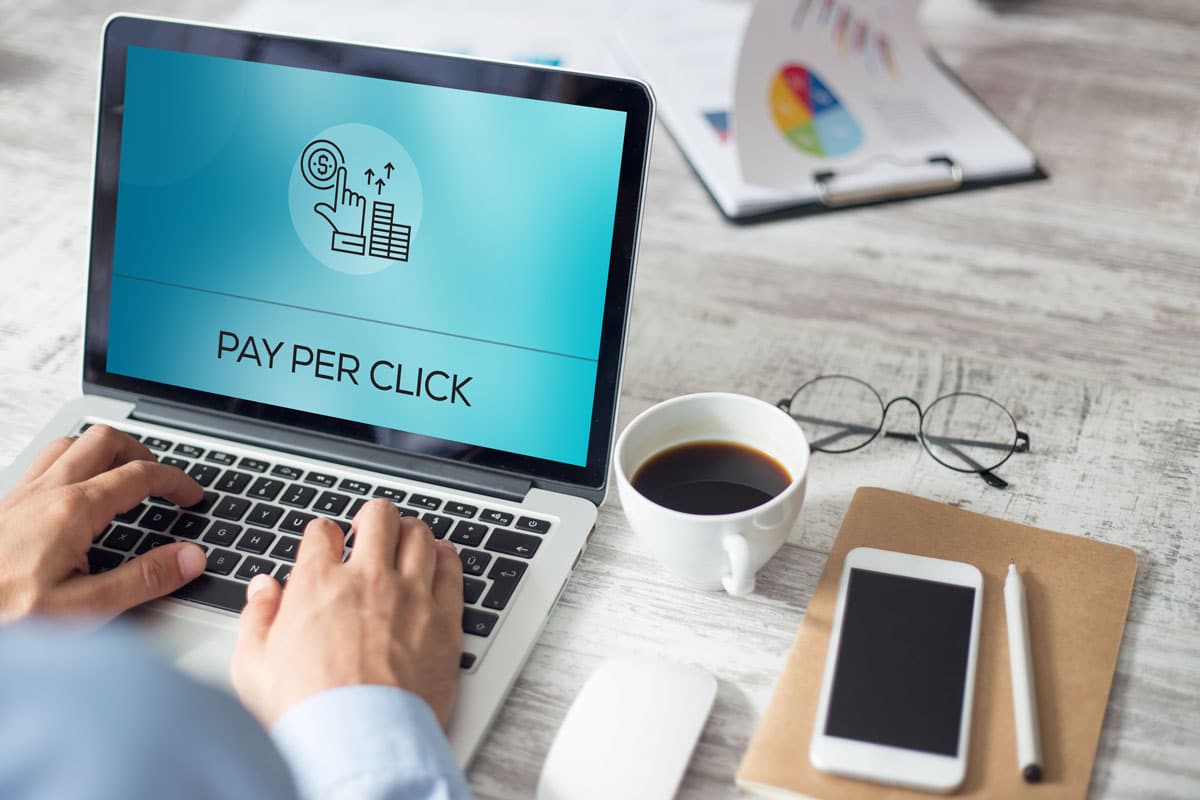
345	216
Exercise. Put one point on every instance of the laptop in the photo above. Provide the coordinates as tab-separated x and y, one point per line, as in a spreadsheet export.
324	272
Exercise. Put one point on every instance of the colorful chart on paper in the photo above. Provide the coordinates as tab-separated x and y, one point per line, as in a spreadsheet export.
809	115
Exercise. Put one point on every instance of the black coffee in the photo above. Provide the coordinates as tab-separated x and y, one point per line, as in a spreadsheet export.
711	478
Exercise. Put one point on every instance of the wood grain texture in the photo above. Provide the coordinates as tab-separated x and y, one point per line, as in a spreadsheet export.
1075	302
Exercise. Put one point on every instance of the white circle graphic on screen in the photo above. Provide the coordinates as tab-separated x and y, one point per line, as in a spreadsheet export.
355	198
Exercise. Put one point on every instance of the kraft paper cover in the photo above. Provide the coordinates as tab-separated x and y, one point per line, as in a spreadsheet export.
1078	594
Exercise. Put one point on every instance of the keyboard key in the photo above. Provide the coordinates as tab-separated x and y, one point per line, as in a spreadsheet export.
386	492
162	501
231	508
155	443
232	482
188	450
152	541
408	512
222	533
513	544
286	548
226	459
177	463
253	464
496	517
460	509
283	573
532	525
320	479
506	569
222	562
204	474
284	471
478	623
122	538
438	523
206	503
254	566
100	533
83	428
466	661
264	516
102	560
265	489
505	577
132	514
469	533
425	501
331	504
215	592
295	522
356	506
354	487
474	562
472	589
189	526
298	496
255	541
158	518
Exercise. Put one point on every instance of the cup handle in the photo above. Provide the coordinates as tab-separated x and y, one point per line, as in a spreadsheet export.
738	579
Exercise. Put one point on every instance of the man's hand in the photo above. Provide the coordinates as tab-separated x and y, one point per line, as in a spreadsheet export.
69	494
391	615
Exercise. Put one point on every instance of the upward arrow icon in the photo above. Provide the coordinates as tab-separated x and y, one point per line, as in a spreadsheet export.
388	166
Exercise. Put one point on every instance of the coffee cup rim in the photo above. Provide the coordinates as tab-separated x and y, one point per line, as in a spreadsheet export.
796	480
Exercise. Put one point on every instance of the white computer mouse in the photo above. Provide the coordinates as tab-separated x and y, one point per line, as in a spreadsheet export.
630	732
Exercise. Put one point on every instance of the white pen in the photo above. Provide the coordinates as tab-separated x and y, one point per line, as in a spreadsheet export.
1020	663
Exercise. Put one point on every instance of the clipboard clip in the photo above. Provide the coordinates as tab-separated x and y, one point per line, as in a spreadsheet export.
887	180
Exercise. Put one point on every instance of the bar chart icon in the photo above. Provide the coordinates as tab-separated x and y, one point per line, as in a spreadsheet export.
388	238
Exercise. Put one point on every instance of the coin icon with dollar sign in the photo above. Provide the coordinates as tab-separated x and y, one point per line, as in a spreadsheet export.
319	163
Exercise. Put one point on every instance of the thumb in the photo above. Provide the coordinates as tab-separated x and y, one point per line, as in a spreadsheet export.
327	211
262	604
147	577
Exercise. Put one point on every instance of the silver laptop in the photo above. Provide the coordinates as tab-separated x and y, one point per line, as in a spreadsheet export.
325	272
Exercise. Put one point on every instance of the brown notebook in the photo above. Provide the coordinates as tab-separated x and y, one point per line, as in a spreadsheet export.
1078	594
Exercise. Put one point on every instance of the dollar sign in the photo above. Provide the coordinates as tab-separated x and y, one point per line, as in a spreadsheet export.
322	164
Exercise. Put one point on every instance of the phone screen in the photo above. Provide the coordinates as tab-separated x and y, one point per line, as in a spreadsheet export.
902	662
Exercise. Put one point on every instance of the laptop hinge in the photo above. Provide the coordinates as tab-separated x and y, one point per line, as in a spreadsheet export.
332	448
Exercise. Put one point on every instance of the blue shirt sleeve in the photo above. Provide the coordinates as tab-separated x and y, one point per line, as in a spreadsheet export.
98	715
368	743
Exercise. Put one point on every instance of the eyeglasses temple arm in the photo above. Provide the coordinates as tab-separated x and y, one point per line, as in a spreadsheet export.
950	440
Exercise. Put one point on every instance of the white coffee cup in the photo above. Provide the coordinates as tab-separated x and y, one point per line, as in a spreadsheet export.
713	551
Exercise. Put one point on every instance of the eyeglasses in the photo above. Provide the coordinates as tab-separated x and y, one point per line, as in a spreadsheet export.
964	431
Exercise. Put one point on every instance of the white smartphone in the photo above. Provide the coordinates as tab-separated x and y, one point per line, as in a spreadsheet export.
896	697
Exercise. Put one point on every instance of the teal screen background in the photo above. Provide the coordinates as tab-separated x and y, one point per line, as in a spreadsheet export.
506	274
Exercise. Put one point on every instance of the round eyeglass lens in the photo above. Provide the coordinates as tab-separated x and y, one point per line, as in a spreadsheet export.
968	432
837	413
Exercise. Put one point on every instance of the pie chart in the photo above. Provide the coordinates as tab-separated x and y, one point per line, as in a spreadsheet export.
809	114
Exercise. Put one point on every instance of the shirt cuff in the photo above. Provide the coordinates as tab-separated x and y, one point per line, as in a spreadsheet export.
368	743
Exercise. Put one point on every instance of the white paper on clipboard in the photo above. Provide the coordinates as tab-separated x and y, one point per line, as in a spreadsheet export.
772	103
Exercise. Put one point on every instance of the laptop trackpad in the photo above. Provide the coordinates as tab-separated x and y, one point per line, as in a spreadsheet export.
200	648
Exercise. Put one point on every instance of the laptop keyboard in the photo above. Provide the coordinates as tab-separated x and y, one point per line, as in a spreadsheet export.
255	510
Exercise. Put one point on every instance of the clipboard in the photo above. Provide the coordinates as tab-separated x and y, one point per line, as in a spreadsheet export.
1079	591
801	107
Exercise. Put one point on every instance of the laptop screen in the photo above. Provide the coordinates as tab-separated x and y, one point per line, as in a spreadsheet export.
420	258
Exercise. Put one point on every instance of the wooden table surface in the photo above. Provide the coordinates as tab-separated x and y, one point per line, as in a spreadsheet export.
1074	301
